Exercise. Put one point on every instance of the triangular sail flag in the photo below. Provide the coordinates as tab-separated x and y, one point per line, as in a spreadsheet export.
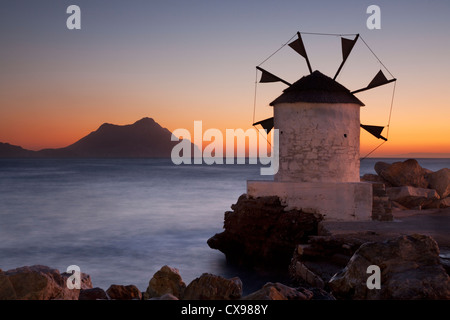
347	46
269	77
374	130
267	124
379	80
299	47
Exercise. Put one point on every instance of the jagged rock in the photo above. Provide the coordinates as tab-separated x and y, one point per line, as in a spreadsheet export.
213	287
406	173
39	283
301	271
410	269
120	292
279	291
440	181
324	256
93	294
411	197
260	232
165	281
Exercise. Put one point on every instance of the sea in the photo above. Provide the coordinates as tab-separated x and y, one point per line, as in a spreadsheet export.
121	220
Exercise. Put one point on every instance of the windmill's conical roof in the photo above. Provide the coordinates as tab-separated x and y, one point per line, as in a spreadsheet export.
317	88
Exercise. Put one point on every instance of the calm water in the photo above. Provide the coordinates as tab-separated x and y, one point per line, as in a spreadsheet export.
121	220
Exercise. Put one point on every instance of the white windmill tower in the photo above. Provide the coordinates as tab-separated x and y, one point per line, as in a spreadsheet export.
319	144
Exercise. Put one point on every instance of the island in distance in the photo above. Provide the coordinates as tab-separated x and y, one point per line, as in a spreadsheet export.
143	139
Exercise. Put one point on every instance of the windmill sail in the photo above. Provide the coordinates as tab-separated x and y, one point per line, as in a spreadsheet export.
299	47
267	124
374	130
269	77
379	80
347	46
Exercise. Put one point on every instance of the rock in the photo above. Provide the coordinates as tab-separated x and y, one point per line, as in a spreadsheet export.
440	181
438	204
406	173
302	272
369	177
324	256
410	269
213	287
93	294
120	292
278	291
411	197
38	283
446	264
165	281
321	294
166	296
260	232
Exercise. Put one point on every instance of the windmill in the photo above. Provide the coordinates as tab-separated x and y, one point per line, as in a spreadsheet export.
347	46
318	122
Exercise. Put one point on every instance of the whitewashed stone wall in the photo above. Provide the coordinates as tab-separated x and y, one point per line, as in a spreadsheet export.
319	142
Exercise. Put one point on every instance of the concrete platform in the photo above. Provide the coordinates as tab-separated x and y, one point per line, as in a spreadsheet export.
336	201
432	222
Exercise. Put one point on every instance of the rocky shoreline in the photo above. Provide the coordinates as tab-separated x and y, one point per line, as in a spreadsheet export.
321	261
327	268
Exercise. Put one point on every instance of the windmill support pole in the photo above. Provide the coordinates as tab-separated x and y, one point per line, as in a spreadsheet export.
306	56
368	88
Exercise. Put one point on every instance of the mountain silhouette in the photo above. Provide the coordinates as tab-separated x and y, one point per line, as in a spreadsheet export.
143	139
10	151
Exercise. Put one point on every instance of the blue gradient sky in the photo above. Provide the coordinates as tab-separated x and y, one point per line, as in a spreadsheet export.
180	61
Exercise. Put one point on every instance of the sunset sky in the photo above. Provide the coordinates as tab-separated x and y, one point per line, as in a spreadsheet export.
186	60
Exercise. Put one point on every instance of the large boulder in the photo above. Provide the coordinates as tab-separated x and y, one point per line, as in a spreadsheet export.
410	269
260	232
279	291
406	173
39	283
411	197
213	287
165	281
121	292
440	181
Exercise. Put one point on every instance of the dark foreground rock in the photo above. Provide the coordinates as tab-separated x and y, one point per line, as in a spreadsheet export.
315	263
121	292
165	281
260	232
213	287
279	291
39	283
410	269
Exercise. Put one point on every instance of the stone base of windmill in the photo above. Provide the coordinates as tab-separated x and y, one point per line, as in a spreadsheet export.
344	201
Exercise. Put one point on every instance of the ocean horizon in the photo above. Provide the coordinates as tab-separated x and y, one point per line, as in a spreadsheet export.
121	220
